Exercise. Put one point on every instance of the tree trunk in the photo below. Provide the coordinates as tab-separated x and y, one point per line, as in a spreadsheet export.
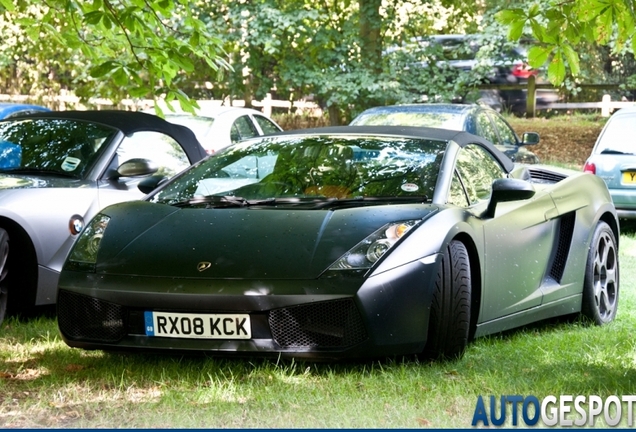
371	34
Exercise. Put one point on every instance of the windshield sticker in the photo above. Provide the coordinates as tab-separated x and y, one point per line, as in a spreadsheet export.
409	187
70	163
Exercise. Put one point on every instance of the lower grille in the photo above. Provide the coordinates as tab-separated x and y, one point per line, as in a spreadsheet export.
85	318
332	324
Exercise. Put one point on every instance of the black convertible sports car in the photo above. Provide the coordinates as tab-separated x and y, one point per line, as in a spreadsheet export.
343	242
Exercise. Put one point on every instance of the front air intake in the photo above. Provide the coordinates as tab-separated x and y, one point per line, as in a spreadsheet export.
331	324
89	319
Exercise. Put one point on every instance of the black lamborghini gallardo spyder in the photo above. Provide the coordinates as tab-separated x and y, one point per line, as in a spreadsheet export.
343	242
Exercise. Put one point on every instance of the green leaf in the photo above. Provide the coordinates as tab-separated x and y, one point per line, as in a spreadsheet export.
8	5
103	69
516	30
590	9
556	70
139	92
508	16
604	26
120	77
538	56
93	18
573	59
538	30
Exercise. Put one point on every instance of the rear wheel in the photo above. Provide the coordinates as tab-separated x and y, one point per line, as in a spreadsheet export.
600	287
4	256
449	322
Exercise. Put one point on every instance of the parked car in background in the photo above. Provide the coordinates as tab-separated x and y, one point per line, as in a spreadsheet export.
219	127
10	110
613	158
57	170
353	241
495	62
476	119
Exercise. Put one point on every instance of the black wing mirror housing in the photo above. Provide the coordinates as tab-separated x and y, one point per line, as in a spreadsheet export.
530	138
507	189
149	184
137	167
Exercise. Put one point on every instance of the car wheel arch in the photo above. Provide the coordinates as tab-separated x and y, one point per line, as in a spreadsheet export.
610	220
476	279
23	260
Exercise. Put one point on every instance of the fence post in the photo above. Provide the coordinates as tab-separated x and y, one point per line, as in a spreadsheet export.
605	105
531	97
267	105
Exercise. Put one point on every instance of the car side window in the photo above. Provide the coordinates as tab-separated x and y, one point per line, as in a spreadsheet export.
457	195
506	133
243	128
161	149
266	124
485	128
478	169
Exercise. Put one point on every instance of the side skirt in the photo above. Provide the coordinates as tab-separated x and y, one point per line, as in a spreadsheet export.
560	307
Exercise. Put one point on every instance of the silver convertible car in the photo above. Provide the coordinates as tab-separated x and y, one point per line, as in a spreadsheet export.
57	170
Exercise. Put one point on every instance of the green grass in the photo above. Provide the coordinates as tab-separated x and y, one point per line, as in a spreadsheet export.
43	383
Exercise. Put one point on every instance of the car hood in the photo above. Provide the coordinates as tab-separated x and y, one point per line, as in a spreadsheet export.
246	243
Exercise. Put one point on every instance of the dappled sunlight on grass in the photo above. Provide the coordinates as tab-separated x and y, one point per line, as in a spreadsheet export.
44	383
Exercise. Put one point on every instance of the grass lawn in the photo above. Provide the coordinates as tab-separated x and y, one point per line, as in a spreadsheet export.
43	383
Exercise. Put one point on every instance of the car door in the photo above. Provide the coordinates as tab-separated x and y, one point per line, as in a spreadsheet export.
242	129
517	240
265	125
164	151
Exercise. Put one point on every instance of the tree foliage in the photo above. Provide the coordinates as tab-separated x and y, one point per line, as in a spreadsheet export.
336	51
561	28
137	48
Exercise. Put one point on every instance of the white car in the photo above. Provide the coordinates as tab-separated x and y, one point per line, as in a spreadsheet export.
218	127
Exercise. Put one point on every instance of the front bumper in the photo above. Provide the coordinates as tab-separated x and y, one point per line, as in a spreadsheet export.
343	316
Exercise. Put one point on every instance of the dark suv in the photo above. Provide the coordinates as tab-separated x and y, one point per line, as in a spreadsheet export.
490	62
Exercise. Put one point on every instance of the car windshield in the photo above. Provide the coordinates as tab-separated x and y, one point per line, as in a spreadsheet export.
51	146
410	118
201	126
615	138
312	168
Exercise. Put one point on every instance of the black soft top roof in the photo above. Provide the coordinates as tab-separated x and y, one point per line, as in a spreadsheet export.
130	122
460	137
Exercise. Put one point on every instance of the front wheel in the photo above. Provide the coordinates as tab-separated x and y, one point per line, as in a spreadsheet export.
600	287
449	321
4	256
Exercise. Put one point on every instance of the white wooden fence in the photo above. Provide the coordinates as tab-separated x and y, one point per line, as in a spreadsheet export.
606	105
68	101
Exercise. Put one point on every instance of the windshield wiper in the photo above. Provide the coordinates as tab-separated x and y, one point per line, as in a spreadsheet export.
335	202
216	201
226	201
612	151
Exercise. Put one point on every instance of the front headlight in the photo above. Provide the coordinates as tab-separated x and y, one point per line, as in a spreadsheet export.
84	253
371	249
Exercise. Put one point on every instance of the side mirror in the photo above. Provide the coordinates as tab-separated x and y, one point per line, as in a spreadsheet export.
507	189
530	138
149	184
136	168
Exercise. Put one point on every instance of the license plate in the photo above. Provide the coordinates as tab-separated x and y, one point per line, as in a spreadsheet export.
197	326
629	177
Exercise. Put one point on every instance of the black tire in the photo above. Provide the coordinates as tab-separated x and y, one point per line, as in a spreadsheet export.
4	256
449	321
600	287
